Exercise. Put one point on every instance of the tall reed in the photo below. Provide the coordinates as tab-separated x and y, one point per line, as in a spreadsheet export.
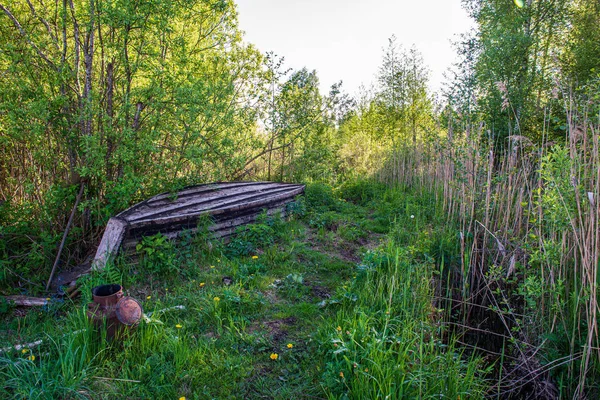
529	238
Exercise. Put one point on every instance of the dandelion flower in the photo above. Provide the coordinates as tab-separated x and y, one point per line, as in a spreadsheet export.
182	398
148	297
31	358
341	374
212	266
274	356
24	351
178	326
254	257
289	346
47	298
217	299
202	284
218	260
339	328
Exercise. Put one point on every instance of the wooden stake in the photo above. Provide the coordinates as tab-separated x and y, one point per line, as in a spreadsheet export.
64	238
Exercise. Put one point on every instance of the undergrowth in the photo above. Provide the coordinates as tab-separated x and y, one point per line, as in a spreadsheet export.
334	301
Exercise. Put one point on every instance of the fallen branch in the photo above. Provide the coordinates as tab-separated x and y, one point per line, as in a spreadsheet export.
26	300
19	347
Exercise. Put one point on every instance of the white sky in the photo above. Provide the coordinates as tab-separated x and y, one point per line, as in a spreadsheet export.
344	39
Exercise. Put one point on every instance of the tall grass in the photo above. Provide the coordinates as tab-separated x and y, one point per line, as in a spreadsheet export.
529	239
385	341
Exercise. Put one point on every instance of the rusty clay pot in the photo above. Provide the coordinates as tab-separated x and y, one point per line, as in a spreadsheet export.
111	310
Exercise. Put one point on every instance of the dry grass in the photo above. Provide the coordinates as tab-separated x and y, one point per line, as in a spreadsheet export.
526	214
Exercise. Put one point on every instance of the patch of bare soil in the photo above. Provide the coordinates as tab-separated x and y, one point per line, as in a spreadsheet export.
343	250
278	329
320	292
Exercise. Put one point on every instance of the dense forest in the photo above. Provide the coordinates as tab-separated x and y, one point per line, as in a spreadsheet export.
455	235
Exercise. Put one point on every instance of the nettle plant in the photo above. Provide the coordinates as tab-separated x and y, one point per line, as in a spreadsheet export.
157	254
251	237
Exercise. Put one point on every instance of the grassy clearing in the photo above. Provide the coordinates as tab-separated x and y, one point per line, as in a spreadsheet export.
334	302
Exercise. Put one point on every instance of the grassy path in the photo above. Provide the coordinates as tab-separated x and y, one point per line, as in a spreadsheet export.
322	305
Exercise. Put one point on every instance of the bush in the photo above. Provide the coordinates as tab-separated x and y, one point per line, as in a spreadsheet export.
362	192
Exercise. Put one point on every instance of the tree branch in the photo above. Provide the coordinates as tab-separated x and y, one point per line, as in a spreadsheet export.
25	36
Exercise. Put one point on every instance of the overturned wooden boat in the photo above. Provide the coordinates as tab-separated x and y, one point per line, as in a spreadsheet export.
229	205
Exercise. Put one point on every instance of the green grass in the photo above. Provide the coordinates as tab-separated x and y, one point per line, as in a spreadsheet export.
338	291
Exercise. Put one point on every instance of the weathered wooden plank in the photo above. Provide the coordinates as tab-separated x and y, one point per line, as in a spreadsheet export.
223	225
238	203
195	193
211	200
111	240
196	190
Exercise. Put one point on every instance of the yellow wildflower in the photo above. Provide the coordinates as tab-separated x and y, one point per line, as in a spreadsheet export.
339	328
217	299
178	326
274	356
24	351
202	284
212	266
182	398
31	358
148	297
341	374
289	346
254	257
